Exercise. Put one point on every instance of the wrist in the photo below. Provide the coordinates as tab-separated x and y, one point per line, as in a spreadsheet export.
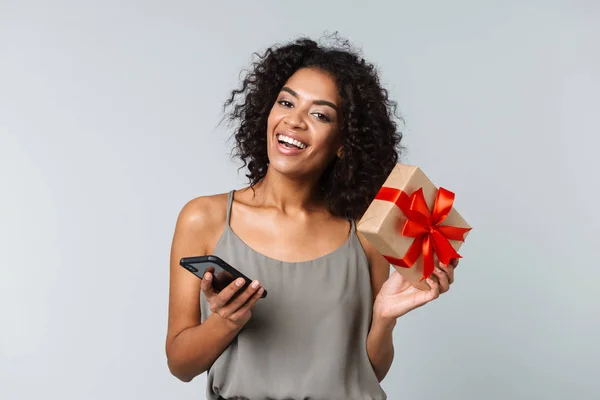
381	319
383	324
224	325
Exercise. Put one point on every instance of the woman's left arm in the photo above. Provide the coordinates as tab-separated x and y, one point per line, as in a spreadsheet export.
393	296
380	346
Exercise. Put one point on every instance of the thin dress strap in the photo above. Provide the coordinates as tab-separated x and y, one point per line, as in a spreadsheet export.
229	203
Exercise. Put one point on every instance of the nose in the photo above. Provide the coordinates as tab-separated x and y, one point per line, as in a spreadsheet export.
295	120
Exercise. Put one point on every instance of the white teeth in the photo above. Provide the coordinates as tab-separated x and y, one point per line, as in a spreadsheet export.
289	140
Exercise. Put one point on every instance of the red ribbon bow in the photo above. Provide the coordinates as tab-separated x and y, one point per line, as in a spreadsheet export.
424	226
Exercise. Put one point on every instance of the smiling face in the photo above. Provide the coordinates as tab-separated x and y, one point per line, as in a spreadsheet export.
303	125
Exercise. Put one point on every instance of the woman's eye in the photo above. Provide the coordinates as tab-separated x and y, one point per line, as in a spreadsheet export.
322	117
285	103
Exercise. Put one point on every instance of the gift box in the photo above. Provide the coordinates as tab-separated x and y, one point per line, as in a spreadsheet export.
413	224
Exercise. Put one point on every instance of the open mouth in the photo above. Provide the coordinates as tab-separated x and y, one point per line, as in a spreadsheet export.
290	143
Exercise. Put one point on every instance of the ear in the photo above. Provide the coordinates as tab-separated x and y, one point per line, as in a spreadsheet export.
340	152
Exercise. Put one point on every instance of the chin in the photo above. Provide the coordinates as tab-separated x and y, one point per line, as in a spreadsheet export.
288	167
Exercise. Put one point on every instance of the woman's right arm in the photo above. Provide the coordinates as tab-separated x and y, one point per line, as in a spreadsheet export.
192	346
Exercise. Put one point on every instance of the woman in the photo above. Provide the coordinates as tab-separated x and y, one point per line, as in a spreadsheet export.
317	134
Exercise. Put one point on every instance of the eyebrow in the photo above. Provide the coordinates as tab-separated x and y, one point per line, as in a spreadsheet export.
317	102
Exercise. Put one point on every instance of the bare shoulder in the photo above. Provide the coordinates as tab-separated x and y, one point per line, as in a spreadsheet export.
204	209
201	220
379	267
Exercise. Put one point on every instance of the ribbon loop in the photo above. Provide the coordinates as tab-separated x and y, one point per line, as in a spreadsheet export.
430	238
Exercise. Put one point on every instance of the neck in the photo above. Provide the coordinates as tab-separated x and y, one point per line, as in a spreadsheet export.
287	194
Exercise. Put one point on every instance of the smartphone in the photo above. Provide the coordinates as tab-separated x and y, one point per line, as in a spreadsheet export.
223	273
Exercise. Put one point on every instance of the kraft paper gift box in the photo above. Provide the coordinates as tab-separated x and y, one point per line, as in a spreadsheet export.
413	224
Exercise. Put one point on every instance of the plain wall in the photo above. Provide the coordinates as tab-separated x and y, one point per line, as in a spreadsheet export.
109	114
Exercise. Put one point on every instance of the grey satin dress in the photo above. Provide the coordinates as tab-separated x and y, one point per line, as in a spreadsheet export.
307	338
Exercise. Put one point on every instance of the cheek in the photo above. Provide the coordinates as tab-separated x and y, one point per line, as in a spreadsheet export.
274	118
325	147
329	139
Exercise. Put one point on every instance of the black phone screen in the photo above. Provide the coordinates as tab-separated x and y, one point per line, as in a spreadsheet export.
223	273
221	277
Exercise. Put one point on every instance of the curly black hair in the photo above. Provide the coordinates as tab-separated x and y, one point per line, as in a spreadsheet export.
370	138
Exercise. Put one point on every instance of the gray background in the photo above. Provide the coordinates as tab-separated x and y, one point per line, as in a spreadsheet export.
108	125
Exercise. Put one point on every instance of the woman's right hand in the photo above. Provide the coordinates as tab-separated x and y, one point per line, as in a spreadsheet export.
236	311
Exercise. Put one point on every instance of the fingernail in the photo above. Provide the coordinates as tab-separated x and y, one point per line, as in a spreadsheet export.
255	284
207	276
261	290
239	282
438	269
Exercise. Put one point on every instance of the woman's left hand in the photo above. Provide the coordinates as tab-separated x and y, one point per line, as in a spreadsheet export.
398	297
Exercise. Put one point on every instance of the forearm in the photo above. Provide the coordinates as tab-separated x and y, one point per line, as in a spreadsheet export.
195	349
380	347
